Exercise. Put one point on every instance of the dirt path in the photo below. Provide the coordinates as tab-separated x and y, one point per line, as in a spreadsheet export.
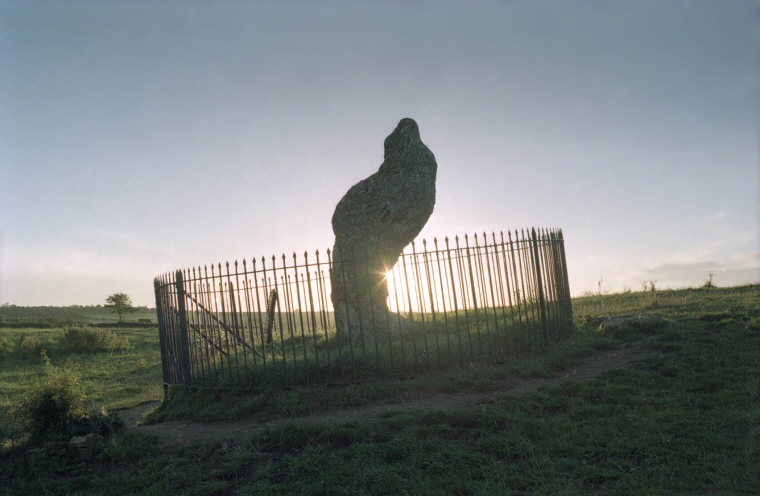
184	431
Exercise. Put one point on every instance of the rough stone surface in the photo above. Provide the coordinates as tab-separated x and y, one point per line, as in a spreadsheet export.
85	443
619	326
373	223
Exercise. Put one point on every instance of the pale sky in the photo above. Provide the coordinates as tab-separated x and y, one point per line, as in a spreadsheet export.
141	137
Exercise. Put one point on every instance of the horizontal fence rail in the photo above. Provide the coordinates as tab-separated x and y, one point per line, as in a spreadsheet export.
271	322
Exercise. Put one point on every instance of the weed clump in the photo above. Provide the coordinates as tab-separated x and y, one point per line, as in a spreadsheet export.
50	407
6	347
30	347
57	407
10	428
650	285
709	281
86	339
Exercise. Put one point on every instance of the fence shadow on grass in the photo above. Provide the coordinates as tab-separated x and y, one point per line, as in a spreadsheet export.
464	301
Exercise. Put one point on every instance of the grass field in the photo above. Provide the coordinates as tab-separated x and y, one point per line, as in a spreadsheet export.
312	354
686	420
75	314
113	379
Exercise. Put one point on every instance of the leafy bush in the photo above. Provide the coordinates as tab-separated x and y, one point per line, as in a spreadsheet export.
99	421
30	346
6	347
86	339
57	407
10	430
56	401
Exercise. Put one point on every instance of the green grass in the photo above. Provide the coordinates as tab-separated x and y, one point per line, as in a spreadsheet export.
112	379
210	405
684	421
304	355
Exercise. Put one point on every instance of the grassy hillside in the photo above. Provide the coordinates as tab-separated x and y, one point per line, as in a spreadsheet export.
685	420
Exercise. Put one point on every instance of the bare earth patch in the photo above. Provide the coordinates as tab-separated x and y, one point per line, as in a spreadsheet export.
186	432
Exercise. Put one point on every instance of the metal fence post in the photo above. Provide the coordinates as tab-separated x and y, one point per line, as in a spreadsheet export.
184	335
540	284
196	317
568	301
162	336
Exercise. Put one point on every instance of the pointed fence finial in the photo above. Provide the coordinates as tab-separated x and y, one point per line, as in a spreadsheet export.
531	272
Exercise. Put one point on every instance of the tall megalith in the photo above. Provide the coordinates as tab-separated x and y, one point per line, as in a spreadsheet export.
373	222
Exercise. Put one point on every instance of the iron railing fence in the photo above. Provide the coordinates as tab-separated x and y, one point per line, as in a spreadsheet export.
265	322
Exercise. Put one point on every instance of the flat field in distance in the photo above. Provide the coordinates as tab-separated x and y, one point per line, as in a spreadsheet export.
75	314
684	418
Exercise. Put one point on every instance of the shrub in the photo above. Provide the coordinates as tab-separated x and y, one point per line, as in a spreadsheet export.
99	421
6	347
10	430
86	339
650	285
56	407
709	281
50	406
30	346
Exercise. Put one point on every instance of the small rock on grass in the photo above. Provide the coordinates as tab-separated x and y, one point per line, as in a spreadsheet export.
85	443
622	325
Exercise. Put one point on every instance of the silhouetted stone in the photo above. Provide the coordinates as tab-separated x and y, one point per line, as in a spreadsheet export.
373	223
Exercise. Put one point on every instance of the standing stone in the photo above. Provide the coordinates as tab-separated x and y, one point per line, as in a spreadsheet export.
373	223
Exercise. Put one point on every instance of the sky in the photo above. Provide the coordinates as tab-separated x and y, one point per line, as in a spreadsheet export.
141	137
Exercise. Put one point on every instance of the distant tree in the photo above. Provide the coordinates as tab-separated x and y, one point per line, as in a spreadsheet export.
120	303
